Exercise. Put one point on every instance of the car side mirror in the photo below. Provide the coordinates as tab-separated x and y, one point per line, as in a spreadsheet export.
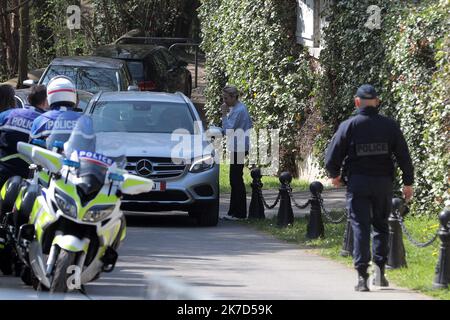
30	83
213	133
133	88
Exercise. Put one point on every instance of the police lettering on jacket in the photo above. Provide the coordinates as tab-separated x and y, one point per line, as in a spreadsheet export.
20	120
366	142
54	122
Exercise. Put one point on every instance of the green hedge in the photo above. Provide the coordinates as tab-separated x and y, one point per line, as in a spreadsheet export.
408	61
252	44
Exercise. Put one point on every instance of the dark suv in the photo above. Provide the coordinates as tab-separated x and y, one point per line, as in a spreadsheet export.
153	67
92	74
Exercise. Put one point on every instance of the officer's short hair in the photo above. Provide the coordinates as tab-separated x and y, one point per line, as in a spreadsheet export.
38	95
7	99
232	91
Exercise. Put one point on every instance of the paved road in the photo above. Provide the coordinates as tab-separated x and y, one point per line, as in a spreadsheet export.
169	257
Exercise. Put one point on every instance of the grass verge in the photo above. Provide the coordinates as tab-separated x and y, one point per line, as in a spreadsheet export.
419	273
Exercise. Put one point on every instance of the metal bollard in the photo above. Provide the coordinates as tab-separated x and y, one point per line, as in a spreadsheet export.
396	256
347	246
256	209
285	213
315	228
442	273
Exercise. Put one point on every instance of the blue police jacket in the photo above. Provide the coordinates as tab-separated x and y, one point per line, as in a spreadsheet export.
44	125
15	126
367	142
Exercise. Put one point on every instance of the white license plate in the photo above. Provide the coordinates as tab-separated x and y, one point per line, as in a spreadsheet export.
159	186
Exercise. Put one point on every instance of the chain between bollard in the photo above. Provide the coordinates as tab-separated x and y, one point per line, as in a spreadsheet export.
412	240
298	206
269	207
328	215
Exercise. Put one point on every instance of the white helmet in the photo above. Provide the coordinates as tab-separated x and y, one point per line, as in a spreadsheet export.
61	89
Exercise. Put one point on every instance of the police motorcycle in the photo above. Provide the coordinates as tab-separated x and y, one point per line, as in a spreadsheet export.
17	196
76	224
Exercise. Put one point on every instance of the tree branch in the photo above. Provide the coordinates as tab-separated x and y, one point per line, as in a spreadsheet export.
21	4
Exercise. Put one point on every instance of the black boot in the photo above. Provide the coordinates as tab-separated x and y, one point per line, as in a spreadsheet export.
383	281
363	276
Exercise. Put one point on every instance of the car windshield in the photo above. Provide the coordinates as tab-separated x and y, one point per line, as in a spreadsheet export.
143	116
136	69
86	78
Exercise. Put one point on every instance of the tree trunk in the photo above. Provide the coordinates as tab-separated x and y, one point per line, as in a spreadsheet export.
23	44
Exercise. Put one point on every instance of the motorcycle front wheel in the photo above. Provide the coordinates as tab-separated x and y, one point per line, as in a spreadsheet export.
61	277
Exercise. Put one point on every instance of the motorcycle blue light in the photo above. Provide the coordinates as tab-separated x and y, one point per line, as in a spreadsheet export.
116	177
71	163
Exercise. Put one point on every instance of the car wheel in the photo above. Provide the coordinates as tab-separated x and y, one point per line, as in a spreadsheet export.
207	215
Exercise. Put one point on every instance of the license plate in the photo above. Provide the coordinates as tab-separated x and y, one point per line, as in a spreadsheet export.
159	186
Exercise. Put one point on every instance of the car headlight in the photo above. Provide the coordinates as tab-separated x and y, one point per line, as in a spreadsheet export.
202	164
98	213
66	205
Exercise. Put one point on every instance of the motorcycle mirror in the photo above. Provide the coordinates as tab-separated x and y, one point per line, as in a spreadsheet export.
50	160
26	232
134	185
25	149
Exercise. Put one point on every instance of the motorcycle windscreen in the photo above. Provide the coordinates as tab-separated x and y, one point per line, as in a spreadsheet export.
92	174
60	129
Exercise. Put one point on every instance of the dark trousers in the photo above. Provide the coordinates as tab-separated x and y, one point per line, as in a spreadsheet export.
238	201
369	202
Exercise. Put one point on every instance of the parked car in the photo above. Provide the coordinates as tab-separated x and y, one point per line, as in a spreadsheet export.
89	73
21	96
186	182
154	67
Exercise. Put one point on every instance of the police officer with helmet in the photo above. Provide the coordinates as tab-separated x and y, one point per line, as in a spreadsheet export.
367	143
61	119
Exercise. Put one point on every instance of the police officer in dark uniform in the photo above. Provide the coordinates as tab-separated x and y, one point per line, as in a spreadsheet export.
367	142
15	127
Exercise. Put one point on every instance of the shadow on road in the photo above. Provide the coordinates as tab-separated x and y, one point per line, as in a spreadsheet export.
159	220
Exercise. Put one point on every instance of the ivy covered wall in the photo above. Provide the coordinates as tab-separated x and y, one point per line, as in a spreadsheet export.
407	59
252	44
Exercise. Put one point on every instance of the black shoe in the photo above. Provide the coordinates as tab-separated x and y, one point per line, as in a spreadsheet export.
362	284
383	281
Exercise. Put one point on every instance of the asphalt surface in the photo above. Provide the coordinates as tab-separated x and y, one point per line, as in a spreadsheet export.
169	257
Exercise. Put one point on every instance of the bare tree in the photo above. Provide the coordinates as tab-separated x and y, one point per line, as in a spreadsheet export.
23	43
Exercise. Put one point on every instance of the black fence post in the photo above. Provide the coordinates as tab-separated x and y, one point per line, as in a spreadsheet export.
347	246
442	273
256	209
315	228
285	213
396	257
